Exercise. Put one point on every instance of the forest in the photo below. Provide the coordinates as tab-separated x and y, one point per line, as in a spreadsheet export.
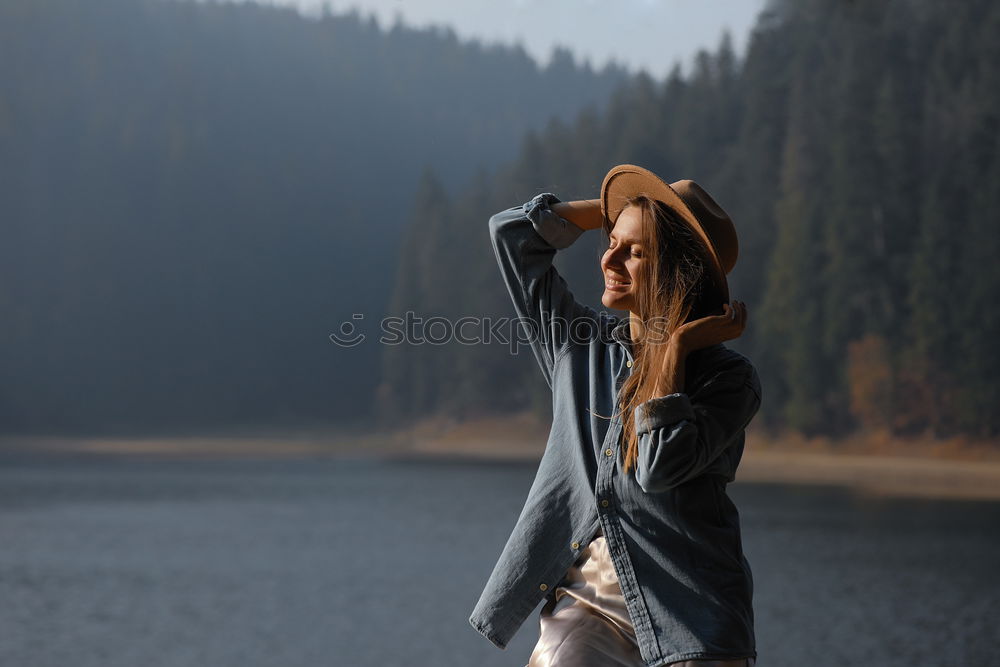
194	196
855	147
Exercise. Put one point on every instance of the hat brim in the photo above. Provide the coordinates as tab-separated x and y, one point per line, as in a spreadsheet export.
628	180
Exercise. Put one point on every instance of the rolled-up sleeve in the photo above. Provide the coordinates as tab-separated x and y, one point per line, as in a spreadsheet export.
525	239
680	435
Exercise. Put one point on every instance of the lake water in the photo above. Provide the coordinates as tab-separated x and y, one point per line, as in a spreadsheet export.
376	562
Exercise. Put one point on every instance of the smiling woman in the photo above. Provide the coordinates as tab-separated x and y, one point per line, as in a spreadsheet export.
627	531
669	285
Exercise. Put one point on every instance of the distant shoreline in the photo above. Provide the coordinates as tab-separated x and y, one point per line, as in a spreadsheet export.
879	465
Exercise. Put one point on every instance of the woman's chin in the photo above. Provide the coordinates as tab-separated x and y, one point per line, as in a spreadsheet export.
614	300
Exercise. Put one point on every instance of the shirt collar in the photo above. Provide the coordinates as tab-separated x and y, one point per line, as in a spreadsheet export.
622	333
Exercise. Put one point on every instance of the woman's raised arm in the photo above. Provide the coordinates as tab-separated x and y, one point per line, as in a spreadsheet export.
681	434
526	239
584	213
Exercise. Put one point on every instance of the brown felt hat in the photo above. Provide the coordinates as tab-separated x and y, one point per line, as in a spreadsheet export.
692	204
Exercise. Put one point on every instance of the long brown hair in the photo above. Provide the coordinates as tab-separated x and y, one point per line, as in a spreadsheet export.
675	287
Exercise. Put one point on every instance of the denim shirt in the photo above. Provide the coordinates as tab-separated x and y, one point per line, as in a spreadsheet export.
672	531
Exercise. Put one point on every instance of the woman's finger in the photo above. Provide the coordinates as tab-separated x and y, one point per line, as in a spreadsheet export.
727	311
734	322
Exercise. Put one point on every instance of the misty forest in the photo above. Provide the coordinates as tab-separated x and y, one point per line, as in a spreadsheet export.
194	196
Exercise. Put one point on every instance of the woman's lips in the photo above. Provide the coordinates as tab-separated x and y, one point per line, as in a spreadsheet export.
613	285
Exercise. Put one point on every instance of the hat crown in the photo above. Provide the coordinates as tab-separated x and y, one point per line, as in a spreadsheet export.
717	224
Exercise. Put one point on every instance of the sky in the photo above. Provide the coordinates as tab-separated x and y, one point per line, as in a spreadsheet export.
639	34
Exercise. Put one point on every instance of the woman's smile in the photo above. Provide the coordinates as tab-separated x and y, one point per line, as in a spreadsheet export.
623	260
616	285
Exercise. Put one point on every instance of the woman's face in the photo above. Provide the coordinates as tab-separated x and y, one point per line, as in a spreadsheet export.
622	261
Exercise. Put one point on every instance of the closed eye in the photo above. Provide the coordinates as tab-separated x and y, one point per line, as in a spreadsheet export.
635	251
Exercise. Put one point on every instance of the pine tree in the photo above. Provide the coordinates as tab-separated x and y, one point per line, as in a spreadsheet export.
792	316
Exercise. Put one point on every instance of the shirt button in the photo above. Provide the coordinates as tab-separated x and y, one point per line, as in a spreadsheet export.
544	587
576	545
629	363
605	503
608	451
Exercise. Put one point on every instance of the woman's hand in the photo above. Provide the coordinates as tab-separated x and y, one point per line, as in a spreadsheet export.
713	329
